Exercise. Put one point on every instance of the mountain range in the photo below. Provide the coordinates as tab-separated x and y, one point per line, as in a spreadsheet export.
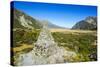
89	23
22	20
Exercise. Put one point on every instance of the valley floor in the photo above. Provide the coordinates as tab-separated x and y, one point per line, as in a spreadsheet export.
82	42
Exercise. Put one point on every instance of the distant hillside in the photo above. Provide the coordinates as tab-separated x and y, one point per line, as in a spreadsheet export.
90	23
51	25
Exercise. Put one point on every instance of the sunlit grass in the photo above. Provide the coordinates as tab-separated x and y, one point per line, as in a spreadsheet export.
22	47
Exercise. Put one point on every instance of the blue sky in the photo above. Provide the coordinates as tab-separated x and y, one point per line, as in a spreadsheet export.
65	15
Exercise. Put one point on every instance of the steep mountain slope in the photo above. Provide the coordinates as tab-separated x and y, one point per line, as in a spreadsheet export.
90	23
22	20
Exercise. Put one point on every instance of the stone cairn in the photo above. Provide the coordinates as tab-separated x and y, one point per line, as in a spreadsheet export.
45	51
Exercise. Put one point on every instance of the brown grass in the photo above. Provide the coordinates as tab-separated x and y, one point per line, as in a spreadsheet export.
71	31
24	46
